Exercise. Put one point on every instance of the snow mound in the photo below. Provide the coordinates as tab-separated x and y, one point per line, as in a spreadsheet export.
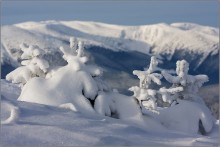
186	117
65	86
68	128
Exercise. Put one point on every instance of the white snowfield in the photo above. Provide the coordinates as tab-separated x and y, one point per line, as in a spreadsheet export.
156	38
39	125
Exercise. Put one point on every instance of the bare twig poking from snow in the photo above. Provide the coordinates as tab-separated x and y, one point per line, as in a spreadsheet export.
14	114
189	83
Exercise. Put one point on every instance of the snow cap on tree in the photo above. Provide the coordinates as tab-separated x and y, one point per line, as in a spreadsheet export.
73	43
153	64
182	67
30	51
80	51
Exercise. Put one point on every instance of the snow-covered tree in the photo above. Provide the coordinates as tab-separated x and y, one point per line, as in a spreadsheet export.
144	94
189	83
33	65
79	85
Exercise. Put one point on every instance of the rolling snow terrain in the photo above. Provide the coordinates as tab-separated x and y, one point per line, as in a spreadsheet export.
118	50
46	125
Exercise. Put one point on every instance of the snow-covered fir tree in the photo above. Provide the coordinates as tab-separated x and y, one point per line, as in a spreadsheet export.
190	84
144	94
33	65
79	85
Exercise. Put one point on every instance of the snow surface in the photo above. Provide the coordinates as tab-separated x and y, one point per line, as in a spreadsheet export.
47	125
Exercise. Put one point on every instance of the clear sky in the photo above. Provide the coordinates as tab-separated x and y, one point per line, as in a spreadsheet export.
114	12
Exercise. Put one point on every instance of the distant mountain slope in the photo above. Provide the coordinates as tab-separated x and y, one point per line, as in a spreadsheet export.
120	49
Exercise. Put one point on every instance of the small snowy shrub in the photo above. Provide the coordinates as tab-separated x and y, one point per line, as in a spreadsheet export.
33	65
144	94
182	98
77	86
188	83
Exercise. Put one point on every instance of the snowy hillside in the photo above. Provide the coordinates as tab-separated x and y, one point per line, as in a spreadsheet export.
119	49
196	42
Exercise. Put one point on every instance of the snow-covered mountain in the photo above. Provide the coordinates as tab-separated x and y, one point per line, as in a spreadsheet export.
120	49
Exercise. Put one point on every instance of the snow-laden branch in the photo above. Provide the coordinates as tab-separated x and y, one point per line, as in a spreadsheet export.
189	83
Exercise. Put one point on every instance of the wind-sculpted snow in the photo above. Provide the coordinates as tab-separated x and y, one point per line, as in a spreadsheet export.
13	113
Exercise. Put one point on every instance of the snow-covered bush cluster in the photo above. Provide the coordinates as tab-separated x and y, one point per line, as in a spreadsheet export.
182	98
33	65
184	86
78	86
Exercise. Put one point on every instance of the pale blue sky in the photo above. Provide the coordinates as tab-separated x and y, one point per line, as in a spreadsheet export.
124	13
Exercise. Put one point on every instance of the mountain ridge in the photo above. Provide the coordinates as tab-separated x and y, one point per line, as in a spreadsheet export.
198	44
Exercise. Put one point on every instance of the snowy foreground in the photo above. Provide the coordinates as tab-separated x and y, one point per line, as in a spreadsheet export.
46	125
